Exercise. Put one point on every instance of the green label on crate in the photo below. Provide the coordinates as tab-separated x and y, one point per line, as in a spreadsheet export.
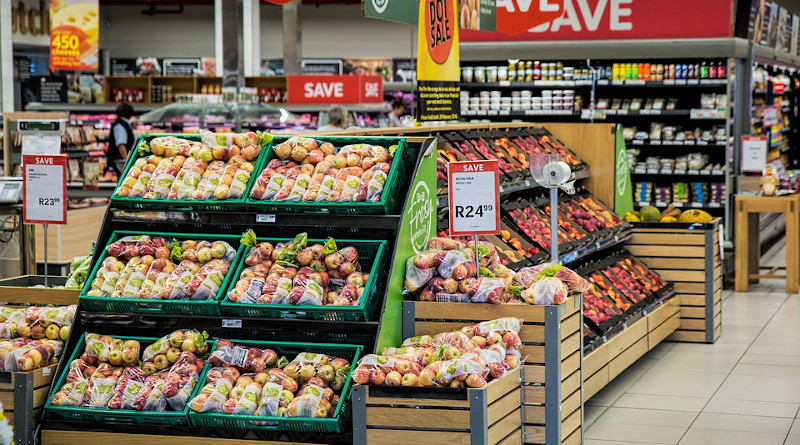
417	227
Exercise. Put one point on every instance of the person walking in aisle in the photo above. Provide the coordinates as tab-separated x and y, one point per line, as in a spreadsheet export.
337	119
121	138
398	108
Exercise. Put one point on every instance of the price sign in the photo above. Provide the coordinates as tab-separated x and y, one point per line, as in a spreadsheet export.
474	197
44	189
771	116
754	153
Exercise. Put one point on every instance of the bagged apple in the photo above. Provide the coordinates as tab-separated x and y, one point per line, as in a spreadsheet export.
421	268
248	401
118	396
490	290
441	243
181	380
72	393
190	340
269	402
101	390
212	396
309	404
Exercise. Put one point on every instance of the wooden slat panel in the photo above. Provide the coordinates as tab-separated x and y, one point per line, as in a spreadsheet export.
532	354
534	434
693	324
691	300
667	251
593	361
688	336
569	325
663	313
534	414
532	333
533	373
570	345
573	439
571	383
515	438
595	383
500	408
570	424
436	327
683	275
626	338
377	400
570	403
622	361
533	394
39	377
657	263
663	239
570	364
417	418
658	335
40	396
471	311
504	427
500	387
690	288
393	437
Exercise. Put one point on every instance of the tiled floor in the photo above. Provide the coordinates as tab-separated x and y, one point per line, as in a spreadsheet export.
744	389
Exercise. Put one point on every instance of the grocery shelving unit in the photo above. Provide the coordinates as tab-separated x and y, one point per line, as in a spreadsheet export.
276	224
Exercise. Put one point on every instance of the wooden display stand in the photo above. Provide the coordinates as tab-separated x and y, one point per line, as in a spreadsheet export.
551	349
474	416
688	255
605	363
747	251
23	395
17	290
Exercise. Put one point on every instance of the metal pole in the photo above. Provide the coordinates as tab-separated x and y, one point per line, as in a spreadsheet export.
292	38
45	255
554	224
477	260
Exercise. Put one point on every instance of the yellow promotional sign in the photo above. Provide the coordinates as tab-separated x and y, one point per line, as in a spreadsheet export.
74	35
438	62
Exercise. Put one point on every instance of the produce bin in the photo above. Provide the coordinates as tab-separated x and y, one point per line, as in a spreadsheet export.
687	254
389	415
173	204
154	306
124	416
370	252
551	351
18	290
391	197
23	395
336	424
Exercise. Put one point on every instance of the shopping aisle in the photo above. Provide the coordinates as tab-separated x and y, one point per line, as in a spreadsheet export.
744	389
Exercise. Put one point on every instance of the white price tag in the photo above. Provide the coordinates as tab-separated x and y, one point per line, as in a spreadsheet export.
474	197
265	218
45	189
232	323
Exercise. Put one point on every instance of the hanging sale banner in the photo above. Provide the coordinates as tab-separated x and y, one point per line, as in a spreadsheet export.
438	66
477	15
74	35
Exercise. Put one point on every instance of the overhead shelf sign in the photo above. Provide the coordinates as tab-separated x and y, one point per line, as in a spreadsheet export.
332	89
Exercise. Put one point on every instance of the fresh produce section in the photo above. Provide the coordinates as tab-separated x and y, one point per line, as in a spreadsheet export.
33	337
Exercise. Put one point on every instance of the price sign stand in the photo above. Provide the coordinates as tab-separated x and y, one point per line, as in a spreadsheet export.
474	200
44	193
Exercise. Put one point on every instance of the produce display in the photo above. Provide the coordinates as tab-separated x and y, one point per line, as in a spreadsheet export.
33	337
299	274
251	381
78	269
470	357
536	225
670	214
110	375
447	271
142	266
216	167
311	171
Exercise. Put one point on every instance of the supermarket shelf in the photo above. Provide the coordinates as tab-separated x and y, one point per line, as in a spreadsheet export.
358	108
533	84
674	172
673	143
664	83
87	108
398	86
694	114
497	113
679	205
585	251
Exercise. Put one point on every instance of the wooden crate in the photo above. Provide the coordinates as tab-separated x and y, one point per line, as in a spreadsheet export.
687	254
606	362
17	290
23	395
551	351
389	415
67	437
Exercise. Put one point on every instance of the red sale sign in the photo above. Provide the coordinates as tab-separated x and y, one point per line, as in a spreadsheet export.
44	189
332	89
474	197
607	19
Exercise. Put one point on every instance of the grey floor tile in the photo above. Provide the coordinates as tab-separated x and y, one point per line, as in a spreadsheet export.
765	370
669	403
746	423
771	359
591	413
795	427
792	439
699	436
655	417
613	442
719	404
635	433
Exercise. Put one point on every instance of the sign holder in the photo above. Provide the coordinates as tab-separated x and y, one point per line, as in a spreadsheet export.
41	202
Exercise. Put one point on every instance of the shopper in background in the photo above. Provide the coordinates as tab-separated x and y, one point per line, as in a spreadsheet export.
121	138
398	108
337	118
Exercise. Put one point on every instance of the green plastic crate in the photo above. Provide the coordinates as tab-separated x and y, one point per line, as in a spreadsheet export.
103	415
336	424
154	306
370	252
391	198
178	204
